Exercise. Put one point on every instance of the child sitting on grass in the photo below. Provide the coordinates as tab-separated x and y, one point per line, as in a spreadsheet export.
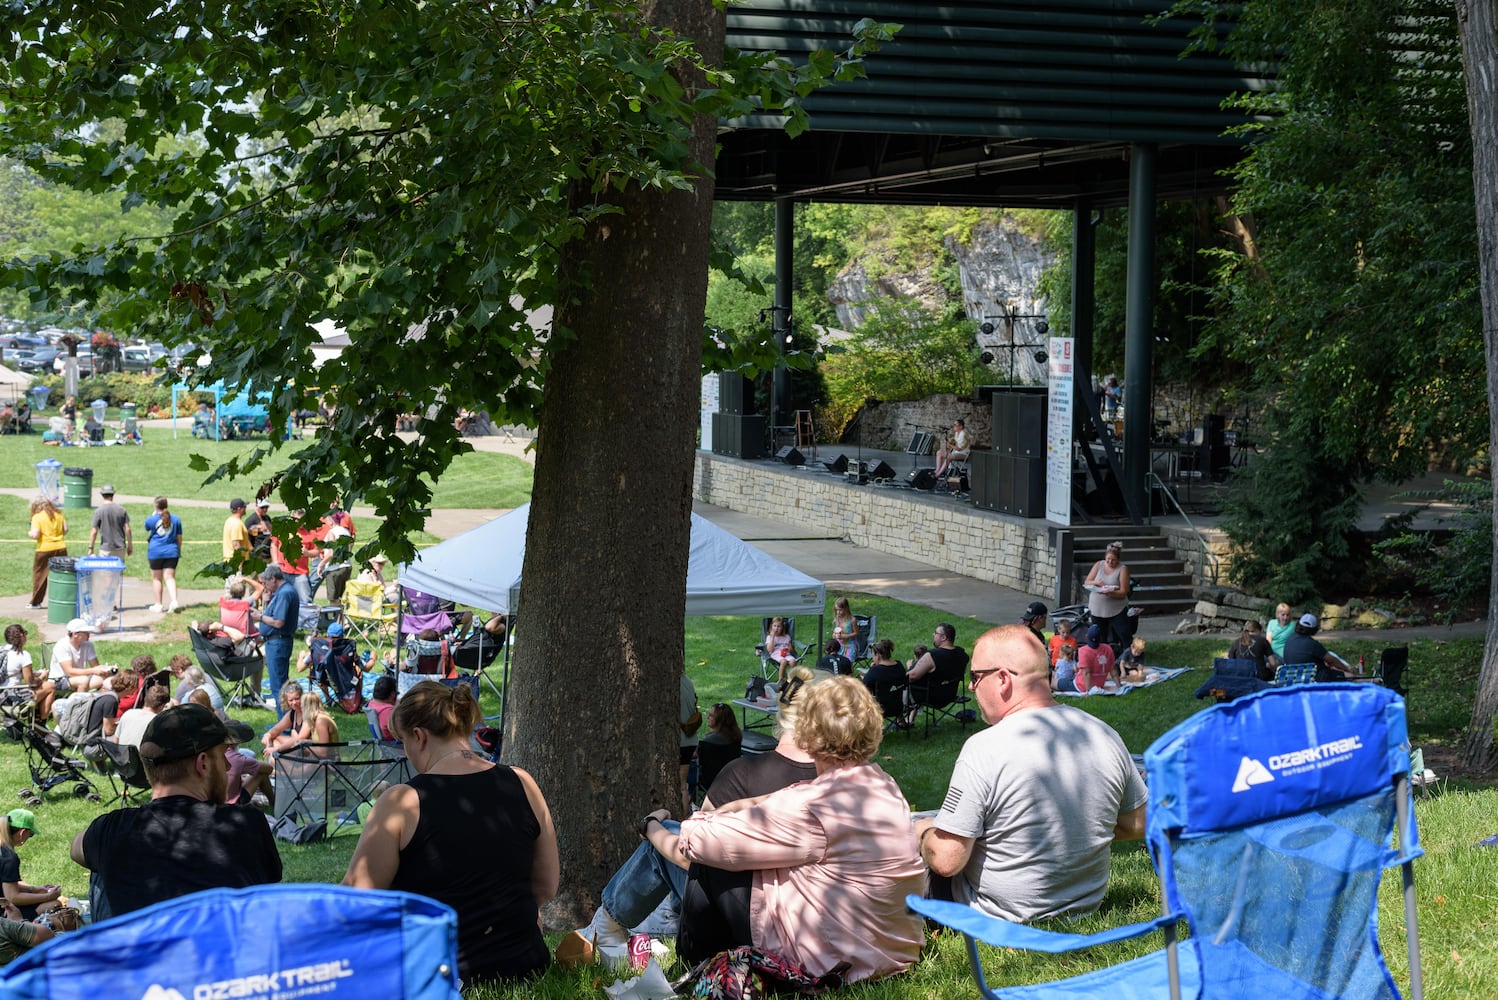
1130	669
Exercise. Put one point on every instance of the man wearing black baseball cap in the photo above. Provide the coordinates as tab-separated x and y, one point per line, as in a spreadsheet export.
1034	619
185	839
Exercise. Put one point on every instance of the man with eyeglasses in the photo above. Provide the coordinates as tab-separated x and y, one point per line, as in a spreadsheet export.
1036	799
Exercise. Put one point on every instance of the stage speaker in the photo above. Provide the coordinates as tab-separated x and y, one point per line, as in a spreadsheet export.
923	479
982	467
790	456
738	436
735	394
838	465
1019	423
878	470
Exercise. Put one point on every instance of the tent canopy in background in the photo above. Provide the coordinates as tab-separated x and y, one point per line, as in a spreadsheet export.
725	576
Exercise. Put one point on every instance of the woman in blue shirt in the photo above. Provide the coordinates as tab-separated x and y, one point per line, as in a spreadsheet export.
162	553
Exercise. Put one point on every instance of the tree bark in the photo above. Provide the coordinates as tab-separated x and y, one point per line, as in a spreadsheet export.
1479	33
594	691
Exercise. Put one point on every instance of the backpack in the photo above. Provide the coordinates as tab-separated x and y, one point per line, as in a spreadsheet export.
72	716
747	973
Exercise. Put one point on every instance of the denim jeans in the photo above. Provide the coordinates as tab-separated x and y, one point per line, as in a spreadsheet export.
640	884
277	665
303	586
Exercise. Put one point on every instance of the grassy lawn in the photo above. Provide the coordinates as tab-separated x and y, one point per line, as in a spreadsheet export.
159	467
1454	881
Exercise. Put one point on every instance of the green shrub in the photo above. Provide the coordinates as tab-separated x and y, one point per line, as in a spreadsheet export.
140	388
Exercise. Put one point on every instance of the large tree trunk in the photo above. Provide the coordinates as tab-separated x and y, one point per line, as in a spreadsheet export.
1479	32
594	693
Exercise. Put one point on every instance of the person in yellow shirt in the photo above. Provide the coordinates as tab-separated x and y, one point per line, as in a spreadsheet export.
49	529
237	546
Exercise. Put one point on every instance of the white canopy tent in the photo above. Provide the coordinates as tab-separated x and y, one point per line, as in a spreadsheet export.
725	576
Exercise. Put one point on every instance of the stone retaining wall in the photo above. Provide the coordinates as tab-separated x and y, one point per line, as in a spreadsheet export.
1008	551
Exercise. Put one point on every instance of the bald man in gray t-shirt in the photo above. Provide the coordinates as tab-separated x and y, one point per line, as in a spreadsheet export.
1037	798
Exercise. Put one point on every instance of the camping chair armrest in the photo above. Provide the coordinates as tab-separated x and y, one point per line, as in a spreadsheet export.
1006	934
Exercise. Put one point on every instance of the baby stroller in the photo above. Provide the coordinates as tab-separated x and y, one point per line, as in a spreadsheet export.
50	765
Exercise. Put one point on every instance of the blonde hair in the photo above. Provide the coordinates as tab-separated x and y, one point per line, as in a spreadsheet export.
840	606
1137	645
1115	547
1281	606
43	504
840	720
286	689
442	711
312	707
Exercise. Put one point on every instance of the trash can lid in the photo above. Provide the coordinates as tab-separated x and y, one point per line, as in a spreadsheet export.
49	463
62	564
95	564
78	473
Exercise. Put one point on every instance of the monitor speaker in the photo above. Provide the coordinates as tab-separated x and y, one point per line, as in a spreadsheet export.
923	479
838	465
790	456
878	470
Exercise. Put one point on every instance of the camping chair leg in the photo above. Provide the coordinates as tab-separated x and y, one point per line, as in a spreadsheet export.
493	685
1407	872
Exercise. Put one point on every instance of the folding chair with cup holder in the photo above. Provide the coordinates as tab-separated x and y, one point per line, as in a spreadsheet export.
368	615
1270	821
331	941
1293	674
768	665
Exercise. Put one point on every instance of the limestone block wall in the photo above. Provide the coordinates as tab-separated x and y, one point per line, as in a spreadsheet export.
1187	549
1009	551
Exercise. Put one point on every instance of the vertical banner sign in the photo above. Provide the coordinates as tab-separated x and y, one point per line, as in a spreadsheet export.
709	407
1058	432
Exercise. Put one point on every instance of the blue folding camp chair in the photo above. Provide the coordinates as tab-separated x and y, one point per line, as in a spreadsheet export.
1270	821
272	940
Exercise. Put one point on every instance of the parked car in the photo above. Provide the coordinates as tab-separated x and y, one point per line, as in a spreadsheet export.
85	362
38	359
141	357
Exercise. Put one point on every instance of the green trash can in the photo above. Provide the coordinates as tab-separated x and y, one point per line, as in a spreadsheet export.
77	489
62	590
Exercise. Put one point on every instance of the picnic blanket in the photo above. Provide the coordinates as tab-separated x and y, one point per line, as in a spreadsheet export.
1155	675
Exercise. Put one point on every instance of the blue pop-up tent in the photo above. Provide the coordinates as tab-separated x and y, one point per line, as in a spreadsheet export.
246	405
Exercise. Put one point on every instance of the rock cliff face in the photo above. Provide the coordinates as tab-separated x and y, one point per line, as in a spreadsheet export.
1001	266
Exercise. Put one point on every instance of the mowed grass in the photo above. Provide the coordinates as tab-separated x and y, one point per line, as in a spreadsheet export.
1455	881
160	468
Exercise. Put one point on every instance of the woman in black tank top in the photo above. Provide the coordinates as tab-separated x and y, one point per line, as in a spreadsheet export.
420	837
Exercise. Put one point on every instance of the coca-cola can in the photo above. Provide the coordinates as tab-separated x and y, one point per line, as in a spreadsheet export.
639	951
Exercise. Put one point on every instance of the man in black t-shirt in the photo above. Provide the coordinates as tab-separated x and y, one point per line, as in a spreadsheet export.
196	841
1302	647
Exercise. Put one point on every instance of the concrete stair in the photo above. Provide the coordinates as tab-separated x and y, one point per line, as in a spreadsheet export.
1161	583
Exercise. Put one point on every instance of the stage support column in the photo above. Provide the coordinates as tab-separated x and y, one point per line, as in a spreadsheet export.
1139	325
1083	298
785	246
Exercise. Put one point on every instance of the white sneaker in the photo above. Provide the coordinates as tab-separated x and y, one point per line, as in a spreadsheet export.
156	608
172	608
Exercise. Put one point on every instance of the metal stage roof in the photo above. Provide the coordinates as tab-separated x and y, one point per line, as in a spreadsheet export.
1008	103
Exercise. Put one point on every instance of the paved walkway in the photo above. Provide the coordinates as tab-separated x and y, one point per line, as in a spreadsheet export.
842	566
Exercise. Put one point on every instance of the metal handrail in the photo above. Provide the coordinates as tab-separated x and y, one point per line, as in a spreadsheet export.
1206	558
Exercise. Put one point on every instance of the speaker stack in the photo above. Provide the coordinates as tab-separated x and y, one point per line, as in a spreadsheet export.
738	436
1015	481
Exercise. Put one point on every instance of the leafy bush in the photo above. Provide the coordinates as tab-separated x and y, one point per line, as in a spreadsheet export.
1455	568
140	388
